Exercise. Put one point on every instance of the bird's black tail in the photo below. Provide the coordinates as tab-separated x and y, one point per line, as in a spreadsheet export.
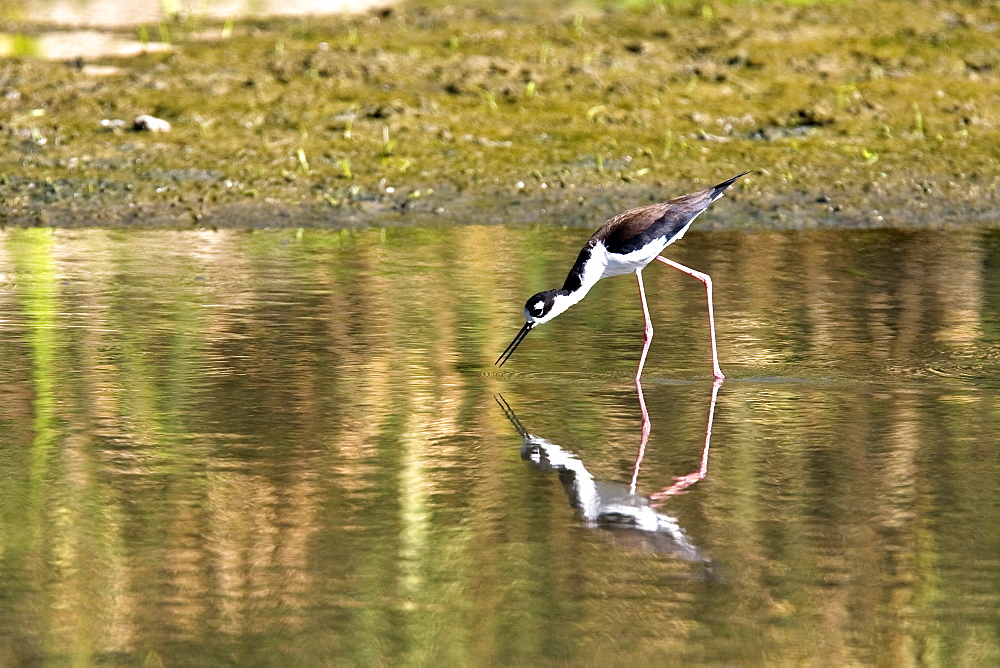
719	189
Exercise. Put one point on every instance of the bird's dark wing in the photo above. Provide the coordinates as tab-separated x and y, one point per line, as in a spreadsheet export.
633	229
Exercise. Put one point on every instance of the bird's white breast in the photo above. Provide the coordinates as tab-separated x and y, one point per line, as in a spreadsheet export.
616	264
601	264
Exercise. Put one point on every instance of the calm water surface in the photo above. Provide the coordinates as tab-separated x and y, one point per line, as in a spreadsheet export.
287	448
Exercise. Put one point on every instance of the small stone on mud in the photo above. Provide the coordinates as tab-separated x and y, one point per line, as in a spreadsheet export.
147	123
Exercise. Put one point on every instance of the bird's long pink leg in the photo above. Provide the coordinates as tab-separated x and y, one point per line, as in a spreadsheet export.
707	280
683	482
646	425
648	332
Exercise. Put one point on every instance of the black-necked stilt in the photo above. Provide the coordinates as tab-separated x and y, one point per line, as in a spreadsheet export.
624	245
612	504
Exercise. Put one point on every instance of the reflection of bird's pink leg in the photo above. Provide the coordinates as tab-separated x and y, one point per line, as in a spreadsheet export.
647	332
681	483
707	280
645	436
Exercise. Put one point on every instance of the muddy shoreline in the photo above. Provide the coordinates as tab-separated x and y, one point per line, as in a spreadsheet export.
788	210
850	115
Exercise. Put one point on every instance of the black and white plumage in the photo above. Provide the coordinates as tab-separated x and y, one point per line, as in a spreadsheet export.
625	245
633	518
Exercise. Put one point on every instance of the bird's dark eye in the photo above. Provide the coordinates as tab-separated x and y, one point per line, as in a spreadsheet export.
538	305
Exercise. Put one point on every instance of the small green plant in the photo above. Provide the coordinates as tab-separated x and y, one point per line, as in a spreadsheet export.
668	144
597	113
488	98
918	121
543	53
845	93
388	145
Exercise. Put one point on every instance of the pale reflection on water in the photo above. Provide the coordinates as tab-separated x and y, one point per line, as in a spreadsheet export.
88	29
283	446
117	13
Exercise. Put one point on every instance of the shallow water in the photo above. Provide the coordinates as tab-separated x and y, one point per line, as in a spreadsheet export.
286	447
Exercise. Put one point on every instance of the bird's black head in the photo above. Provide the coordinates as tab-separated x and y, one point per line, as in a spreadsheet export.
539	306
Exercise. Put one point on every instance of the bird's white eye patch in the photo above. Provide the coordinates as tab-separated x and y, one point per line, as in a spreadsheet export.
538	306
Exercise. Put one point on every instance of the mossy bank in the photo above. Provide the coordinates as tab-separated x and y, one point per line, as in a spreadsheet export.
850	114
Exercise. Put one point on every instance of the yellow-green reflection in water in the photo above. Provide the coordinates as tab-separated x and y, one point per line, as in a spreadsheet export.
283	447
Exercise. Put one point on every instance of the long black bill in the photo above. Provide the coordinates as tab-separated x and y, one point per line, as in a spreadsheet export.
509	412
514	344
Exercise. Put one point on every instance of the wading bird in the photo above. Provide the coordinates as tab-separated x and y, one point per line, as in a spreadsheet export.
635	518
625	245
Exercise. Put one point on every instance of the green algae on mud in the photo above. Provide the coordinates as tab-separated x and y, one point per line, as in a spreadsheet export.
874	114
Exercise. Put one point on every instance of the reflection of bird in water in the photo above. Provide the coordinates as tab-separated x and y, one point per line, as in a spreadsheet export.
625	245
614	505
